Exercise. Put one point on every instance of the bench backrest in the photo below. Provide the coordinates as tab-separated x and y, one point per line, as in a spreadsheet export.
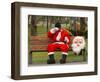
39	43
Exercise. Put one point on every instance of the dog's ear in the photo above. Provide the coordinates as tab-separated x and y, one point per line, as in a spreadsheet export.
83	38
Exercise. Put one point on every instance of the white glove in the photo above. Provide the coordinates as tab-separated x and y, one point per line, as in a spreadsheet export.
53	30
66	40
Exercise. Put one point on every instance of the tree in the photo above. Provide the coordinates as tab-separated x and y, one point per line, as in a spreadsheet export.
33	26
83	25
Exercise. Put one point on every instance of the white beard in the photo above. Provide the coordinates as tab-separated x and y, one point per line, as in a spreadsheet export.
77	49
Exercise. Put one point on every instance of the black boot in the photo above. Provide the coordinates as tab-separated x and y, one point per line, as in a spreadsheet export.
63	60
51	59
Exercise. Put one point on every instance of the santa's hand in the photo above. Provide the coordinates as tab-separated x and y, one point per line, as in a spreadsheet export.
66	40
53	30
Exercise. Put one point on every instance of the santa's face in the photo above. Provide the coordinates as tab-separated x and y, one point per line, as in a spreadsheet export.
78	44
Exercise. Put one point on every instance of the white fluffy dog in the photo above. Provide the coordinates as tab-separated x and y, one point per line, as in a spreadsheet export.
78	44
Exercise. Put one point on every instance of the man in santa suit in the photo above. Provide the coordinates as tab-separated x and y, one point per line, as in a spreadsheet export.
61	40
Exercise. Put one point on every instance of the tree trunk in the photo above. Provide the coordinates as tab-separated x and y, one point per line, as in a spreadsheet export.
33	26
82	26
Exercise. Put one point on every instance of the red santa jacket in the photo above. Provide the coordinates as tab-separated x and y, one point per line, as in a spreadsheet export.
59	36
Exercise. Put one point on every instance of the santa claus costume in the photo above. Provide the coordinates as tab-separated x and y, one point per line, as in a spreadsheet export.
61	40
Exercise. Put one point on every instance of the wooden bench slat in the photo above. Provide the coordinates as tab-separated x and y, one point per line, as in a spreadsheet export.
38	37
43	47
40	43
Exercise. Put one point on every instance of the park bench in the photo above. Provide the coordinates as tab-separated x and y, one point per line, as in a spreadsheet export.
39	44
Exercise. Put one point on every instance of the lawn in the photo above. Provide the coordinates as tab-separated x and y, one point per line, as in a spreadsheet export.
41	57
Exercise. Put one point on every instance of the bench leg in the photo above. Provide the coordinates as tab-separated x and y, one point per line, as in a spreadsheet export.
84	54
30	58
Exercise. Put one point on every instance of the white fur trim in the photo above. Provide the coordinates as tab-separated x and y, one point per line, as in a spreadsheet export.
66	39
50	53
65	53
53	30
58	36
58	43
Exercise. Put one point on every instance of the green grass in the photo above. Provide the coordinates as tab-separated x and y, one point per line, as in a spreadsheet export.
41	57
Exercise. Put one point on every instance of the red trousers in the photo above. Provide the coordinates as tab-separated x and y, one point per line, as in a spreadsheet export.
54	46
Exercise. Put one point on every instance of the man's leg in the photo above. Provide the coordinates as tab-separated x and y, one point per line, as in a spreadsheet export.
51	49
64	49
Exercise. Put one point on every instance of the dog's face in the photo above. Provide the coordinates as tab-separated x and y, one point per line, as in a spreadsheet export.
78	43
